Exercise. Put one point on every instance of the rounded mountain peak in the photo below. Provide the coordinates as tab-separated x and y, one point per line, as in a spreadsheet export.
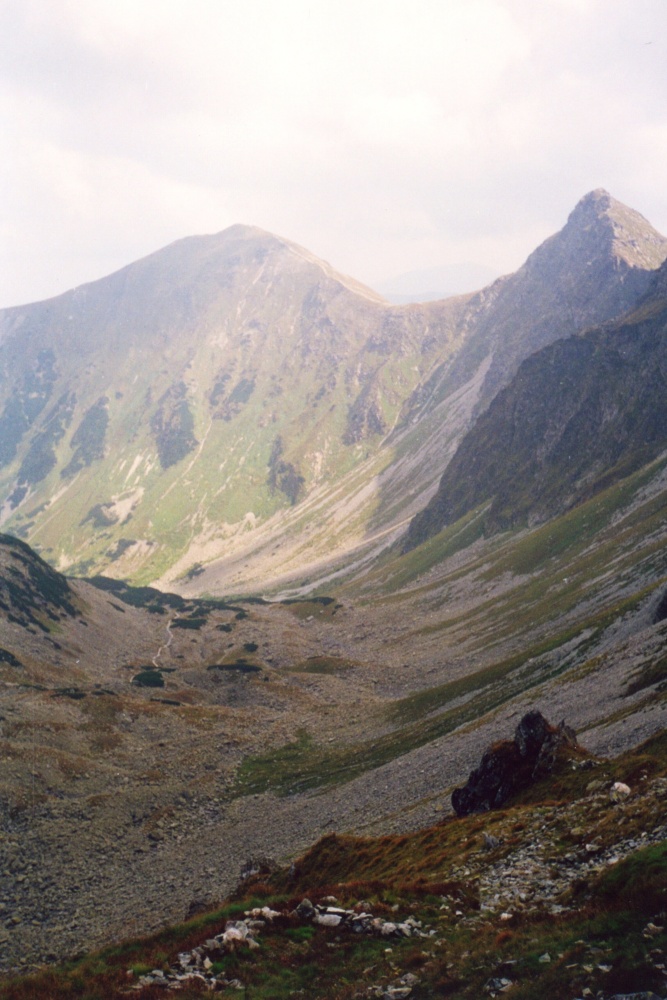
241	231
241	245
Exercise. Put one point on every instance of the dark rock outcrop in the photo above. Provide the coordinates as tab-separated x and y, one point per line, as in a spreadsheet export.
660	612
513	765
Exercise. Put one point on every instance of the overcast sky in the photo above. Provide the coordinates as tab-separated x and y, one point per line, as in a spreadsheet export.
384	135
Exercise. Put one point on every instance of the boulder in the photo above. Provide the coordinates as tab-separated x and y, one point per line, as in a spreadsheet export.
328	919
619	791
512	765
531	733
305	909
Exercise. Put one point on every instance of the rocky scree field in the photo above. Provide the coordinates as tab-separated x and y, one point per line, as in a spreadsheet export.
560	892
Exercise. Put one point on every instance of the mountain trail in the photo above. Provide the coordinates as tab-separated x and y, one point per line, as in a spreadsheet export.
170	639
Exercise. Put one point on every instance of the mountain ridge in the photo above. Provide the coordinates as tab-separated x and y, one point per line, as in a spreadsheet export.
223	401
579	415
596	267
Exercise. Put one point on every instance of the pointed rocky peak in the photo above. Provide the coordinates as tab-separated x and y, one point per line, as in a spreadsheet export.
633	238
593	205
600	227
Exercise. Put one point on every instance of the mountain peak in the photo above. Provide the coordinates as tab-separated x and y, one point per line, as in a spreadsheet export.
625	233
242	229
597	201
251	243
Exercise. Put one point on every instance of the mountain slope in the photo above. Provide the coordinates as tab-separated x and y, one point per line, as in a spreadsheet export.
233	404
579	415
200	389
556	896
145	731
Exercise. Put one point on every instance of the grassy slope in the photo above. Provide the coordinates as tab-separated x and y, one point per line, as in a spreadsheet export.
572	581
229	479
599	941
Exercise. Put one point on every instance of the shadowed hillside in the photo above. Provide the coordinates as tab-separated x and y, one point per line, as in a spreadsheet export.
580	415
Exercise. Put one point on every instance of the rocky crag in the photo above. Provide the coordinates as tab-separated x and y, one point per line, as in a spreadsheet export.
511	767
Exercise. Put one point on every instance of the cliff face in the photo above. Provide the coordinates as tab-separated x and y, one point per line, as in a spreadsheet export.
579	415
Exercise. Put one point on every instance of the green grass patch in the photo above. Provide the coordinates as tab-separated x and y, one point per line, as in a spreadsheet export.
312	607
329	665
404	569
639	882
239	666
576	529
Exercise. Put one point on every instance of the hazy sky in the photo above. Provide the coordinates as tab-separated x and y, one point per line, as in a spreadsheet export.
384	136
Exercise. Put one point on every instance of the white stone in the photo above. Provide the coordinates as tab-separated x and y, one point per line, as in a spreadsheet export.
619	791
328	919
232	935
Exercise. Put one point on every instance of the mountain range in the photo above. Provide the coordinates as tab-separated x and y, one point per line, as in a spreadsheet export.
231	404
